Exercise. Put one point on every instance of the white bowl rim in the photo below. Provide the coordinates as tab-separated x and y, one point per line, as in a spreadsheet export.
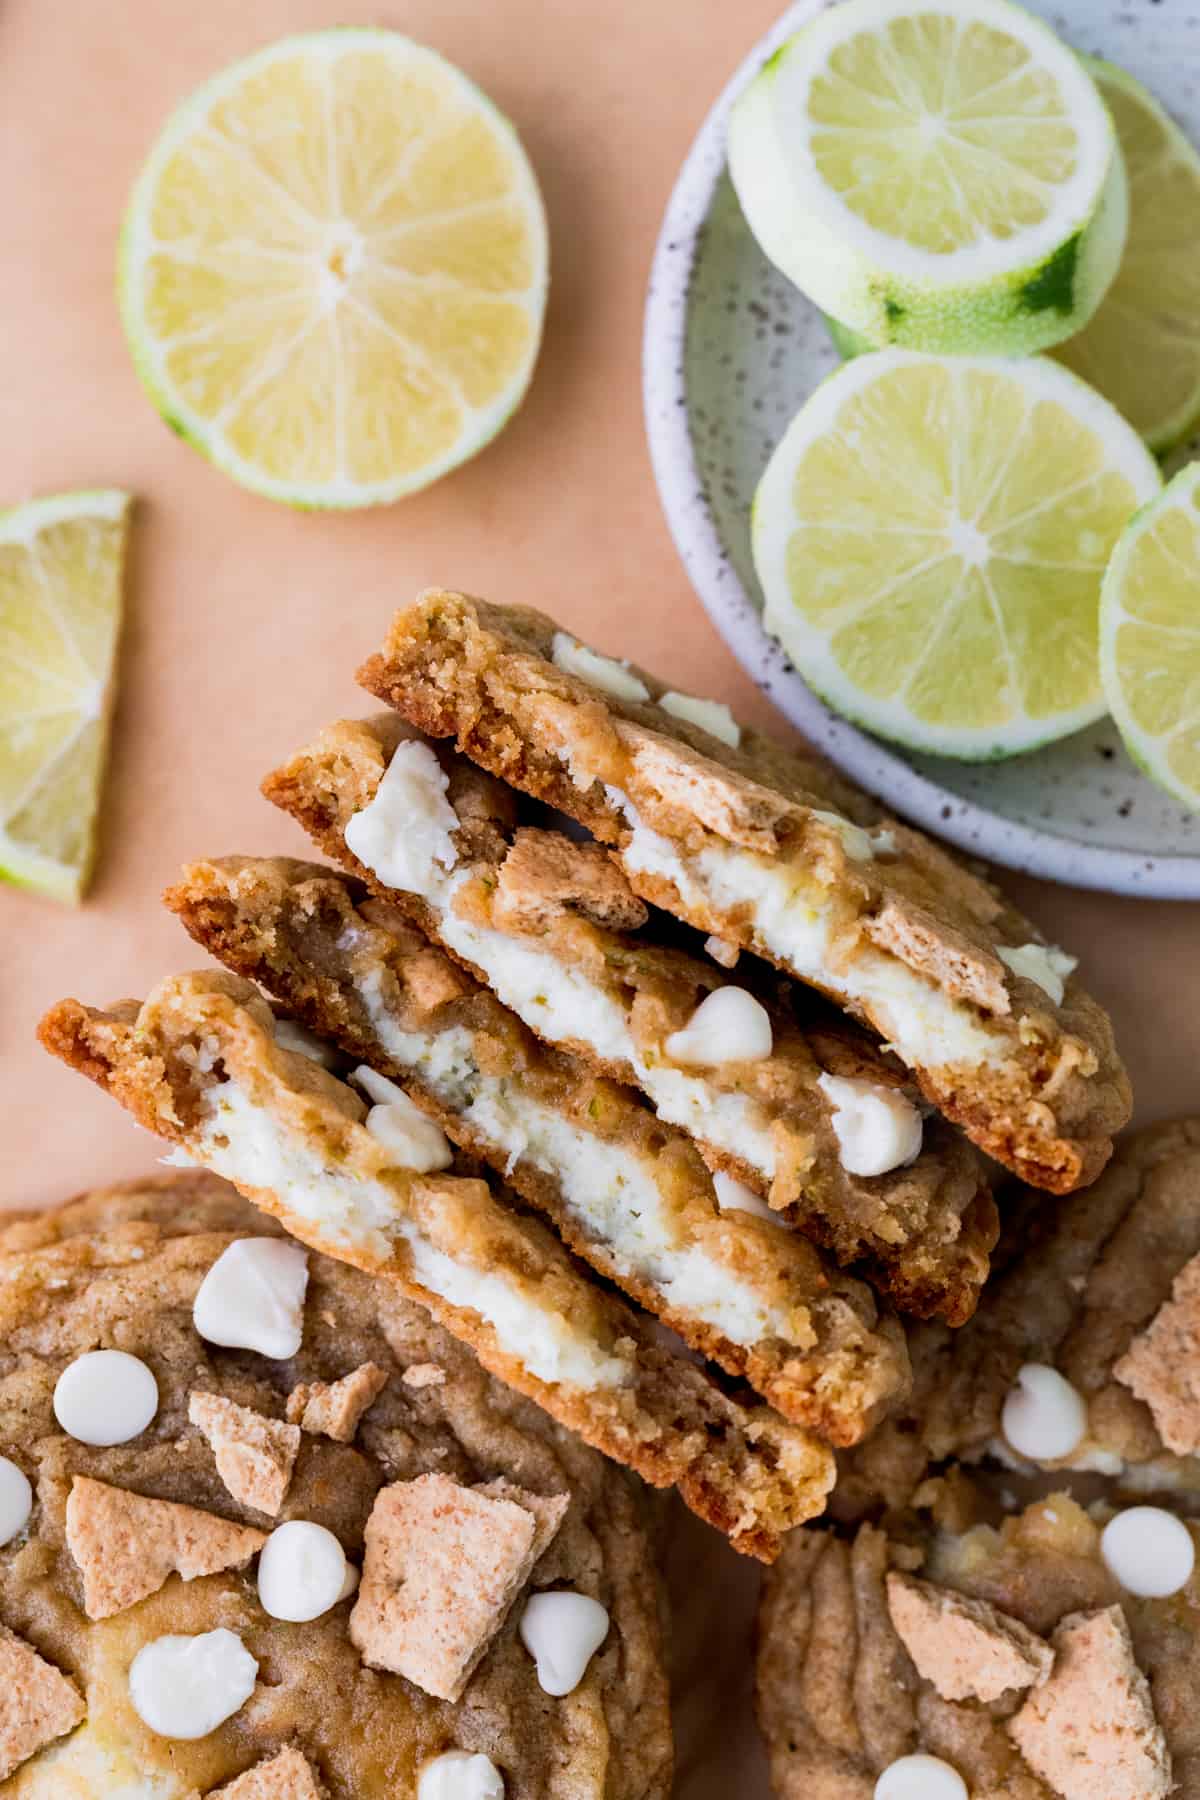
865	759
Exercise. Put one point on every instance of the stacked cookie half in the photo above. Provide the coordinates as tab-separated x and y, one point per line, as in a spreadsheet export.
627	1041
648	1056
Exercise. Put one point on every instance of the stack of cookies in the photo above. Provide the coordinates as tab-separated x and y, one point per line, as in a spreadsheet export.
672	1078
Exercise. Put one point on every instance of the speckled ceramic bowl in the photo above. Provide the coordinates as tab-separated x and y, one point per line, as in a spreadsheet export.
731	351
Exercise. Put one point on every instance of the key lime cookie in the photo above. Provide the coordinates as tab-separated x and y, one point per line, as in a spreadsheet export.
1049	1655
794	1102
1083	1354
941	176
631	1196
766	848
201	1594
370	1180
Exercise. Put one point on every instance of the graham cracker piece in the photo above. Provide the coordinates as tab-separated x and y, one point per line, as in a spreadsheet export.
288	1776
962	969
443	1565
547	873
1162	1364
423	1375
549	1510
126	1545
966	1648
255	1455
1090	1732
37	1703
334	1408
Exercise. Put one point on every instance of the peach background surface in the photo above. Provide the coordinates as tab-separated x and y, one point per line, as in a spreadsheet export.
245	621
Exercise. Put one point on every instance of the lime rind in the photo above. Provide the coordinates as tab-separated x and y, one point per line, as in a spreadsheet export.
977	300
1146	750
148	356
808	646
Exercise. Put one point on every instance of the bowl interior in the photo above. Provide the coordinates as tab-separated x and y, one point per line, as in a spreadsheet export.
749	349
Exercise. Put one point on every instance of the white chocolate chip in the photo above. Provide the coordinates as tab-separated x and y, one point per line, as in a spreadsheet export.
350	1581
735	1196
253	1297
729	1025
920	1778
877	1129
855	841
409	825
711	716
291	1035
16	1501
457	1775
1044	964
1149	1551
415	1140
105	1397
1044	1417
604	672
562	1632
301	1572
184	1687
722	951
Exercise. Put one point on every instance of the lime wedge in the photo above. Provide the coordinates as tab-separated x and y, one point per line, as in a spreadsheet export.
1150	637
930	537
1142	347
333	269
61	563
945	178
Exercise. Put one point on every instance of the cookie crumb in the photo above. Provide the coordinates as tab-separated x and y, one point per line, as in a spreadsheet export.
443	1565
334	1409
255	1455
288	1776
1090	1732
37	1703
126	1545
423	1375
966	1648
1162	1364
546	873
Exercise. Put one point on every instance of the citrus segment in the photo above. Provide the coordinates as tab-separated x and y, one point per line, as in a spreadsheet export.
1150	637
1142	347
930	537
61	563
334	269
934	173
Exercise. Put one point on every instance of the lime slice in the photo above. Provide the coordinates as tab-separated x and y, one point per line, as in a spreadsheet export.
333	269
1150	637
940	175
61	562
930	537
1142	347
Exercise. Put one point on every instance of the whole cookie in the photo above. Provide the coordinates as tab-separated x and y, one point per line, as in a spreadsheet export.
456	1498
1052	1655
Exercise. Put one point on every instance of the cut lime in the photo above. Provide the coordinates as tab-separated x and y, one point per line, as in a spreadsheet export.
930	537
333	269
940	174
61	562
1150	637
1142	347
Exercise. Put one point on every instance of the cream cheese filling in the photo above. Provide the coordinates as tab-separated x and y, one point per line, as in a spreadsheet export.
923	1025
245	1143
404	835
610	1191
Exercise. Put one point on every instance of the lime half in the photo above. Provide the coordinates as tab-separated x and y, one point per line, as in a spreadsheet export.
333	269
930	537
1150	637
1142	347
61	563
940	174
